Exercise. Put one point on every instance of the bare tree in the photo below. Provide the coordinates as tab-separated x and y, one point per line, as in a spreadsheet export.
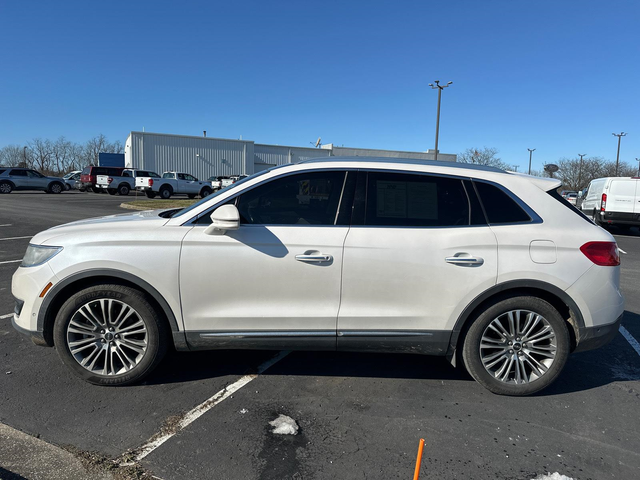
41	155
483	156
576	175
13	156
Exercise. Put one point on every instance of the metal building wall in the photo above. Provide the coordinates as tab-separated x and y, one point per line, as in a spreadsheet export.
200	156
266	156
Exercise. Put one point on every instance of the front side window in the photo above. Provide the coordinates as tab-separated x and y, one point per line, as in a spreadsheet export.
412	200
34	174
301	199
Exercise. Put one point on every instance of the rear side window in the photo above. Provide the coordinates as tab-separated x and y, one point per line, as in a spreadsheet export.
1	171
18	173
408	200
499	207
554	193
86	171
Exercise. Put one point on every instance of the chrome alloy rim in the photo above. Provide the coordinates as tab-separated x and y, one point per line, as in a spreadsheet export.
107	337
518	347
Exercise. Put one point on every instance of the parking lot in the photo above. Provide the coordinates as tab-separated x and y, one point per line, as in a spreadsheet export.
360	415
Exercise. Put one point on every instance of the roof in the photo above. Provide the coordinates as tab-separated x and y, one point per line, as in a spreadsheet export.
405	161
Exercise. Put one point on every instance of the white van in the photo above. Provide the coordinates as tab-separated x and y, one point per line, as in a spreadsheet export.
613	201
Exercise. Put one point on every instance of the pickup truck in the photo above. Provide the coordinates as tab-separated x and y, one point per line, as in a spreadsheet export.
124	182
173	183
218	183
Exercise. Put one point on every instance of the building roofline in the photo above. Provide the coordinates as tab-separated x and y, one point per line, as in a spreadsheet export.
192	136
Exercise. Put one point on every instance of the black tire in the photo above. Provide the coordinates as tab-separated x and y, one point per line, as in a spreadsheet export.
95	190
150	194
157	335
56	187
471	352
112	191
6	187
165	193
205	192
191	195
124	189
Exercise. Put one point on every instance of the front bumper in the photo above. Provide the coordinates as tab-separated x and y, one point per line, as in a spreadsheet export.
590	338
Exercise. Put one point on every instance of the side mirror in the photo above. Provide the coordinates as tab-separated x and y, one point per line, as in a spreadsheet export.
223	218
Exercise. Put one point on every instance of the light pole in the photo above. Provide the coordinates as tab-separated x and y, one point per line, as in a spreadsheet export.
580	170
440	88
638	160
619	135
531	150
24	155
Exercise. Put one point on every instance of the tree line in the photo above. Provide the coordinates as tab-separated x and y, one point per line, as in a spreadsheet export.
574	173
57	157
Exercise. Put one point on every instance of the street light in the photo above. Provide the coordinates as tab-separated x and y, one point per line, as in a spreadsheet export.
638	160
440	88
580	169
531	150
619	135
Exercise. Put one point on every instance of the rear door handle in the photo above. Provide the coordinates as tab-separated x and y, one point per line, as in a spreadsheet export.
314	258
455	260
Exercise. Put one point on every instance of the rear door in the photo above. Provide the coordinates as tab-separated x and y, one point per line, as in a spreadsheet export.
19	178
621	197
418	249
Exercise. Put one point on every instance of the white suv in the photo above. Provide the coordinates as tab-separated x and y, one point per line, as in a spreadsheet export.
492	269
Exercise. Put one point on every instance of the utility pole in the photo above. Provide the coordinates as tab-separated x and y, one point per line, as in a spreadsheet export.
24	155
531	150
580	170
619	135
638	160
440	88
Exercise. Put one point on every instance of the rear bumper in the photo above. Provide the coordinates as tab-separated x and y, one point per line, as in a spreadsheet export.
617	218
590	338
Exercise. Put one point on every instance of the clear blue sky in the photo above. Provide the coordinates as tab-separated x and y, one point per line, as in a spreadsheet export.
558	76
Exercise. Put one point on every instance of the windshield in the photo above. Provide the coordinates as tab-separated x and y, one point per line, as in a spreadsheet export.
224	190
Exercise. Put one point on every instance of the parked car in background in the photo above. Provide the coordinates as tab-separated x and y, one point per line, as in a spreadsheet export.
71	178
572	198
123	183
613	201
89	177
14	178
216	183
173	183
491	269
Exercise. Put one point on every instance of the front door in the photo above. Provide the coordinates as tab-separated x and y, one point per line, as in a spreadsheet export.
276	280
422	251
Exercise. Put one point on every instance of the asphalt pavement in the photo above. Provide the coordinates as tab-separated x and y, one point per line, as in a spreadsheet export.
360	415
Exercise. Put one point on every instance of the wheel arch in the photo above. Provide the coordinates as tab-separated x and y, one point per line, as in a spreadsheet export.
76	282
557	297
53	182
6	180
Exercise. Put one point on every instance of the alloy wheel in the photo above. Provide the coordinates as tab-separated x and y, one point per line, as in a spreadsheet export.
107	337
518	346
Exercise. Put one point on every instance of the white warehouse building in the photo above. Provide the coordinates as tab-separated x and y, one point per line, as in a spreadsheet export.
205	157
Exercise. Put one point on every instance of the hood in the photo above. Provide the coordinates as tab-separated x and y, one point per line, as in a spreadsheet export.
55	178
144	220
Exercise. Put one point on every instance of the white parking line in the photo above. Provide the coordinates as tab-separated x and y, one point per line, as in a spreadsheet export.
8	315
205	406
15	238
6	225
11	261
632	341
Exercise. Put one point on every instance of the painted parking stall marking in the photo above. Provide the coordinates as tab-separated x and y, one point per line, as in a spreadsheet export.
15	238
205	406
10	261
632	341
8	315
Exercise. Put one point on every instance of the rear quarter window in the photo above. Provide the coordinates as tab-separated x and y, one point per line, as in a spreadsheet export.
500	207
2	171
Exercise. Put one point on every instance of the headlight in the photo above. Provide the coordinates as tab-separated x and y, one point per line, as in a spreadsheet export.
39	254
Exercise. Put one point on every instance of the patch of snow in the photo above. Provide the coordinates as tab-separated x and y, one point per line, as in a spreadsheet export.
284	425
552	476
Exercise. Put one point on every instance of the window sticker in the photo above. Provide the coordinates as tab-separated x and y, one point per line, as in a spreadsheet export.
391	199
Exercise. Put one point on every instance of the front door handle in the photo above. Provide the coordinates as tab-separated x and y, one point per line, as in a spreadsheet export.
466	260
314	258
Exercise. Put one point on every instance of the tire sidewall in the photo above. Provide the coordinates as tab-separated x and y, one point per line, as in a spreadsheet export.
8	186
156	337
471	347
165	193
123	189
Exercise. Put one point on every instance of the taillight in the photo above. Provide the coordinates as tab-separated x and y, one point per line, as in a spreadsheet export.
604	254
603	202
109	180
151	182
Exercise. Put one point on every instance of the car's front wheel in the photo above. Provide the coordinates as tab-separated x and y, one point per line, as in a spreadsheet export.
110	335
150	194
56	187
517	346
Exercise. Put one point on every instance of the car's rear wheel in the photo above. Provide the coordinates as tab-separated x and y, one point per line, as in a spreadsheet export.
165	193
110	335
150	194
6	187
112	191
191	195
517	346
205	192
123	189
